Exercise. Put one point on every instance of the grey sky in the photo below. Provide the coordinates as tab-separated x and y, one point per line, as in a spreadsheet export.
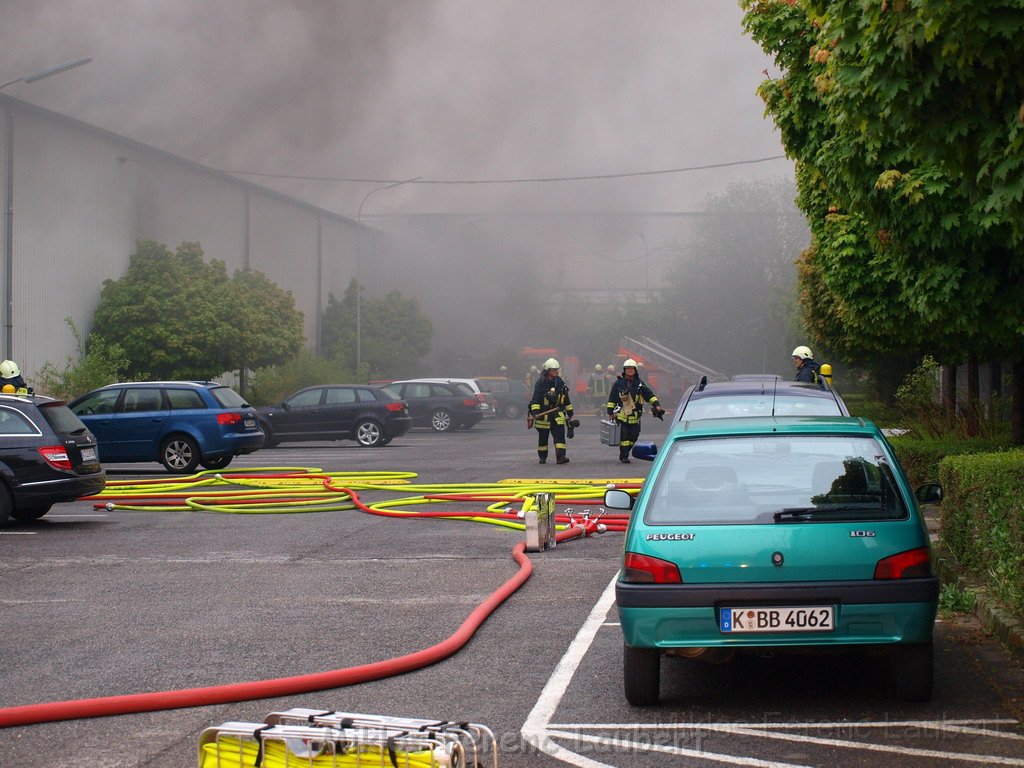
445	89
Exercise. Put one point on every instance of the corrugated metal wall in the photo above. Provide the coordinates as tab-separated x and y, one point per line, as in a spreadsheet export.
73	214
83	196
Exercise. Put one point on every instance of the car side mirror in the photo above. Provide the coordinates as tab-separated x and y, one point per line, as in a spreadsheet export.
285	406
929	493
618	499
645	451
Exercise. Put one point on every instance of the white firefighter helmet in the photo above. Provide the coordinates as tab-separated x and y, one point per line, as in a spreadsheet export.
551	364
503	369
533	369
804	353
598	368
9	369
630	363
610	369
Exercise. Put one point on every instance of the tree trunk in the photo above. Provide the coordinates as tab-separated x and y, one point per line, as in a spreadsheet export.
995	382
973	408
949	394
1017	420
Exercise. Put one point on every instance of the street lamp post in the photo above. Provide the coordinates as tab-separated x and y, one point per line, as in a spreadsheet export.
359	259
8	311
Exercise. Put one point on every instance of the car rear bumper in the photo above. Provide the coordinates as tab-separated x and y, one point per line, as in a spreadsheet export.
59	489
398	426
687	616
234	444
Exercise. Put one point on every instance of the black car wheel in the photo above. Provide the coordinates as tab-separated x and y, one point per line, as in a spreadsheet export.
218	463
369	434
179	453
440	420
28	514
913	667
641	675
512	410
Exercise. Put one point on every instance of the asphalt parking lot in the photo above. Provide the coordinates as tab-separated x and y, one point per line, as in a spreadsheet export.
103	603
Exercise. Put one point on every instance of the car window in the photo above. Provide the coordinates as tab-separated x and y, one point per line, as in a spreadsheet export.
439	390
742	480
389	394
13	422
305	398
464	389
366	396
99	402
732	406
61	419
340	395
227	397
137	399
417	390
181	399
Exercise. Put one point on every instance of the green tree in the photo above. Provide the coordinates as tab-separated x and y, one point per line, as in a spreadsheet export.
394	332
905	121
177	316
268	328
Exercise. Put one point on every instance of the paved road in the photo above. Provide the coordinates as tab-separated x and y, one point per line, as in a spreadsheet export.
98	603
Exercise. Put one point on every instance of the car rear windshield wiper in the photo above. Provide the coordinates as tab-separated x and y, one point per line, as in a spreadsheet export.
833	511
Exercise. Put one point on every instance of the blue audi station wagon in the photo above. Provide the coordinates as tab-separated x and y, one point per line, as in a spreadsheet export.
765	533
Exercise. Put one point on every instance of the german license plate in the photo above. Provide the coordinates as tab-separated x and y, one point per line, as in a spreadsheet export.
807	618
250	423
88	454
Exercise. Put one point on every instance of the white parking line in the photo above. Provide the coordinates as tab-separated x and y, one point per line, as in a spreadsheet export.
539	731
18	533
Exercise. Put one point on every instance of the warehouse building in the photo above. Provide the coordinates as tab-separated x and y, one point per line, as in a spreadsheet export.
76	198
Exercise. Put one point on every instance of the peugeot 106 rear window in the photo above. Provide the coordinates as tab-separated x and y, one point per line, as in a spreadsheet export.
775	480
768	404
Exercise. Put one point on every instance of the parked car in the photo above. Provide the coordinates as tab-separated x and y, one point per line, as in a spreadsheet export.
180	424
372	416
784	533
442	407
758	395
511	397
488	405
47	456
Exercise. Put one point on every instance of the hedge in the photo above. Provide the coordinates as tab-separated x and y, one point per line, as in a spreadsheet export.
982	520
921	457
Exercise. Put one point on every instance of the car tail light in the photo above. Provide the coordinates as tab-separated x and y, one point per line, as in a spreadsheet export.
644	569
229	418
481	397
912	564
471	402
395	406
56	456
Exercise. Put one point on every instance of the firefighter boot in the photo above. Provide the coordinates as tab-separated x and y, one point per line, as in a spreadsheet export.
624	454
543	456
560	456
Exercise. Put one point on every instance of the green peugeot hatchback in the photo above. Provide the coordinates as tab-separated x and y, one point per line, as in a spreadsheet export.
756	534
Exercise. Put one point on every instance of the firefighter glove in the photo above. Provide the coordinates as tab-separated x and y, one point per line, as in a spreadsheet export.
573	423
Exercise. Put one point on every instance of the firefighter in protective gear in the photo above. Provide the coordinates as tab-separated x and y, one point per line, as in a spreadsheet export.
551	412
806	367
626	402
597	388
10	376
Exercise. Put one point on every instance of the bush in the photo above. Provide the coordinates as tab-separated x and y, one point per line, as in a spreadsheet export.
921	457
883	415
983	520
274	383
101	364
